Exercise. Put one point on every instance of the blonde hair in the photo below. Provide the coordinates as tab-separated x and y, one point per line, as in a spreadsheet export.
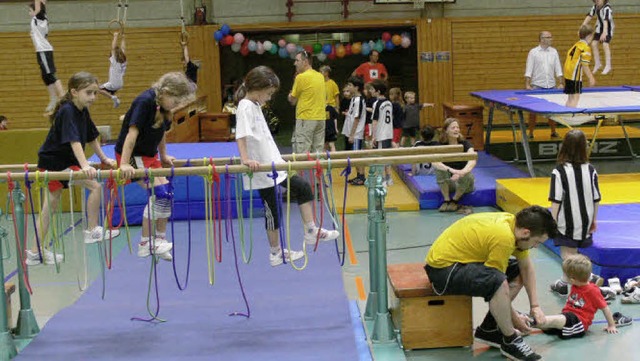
409	93
174	85
578	267
395	95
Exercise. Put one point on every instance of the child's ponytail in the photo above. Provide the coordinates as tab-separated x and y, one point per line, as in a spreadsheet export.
66	98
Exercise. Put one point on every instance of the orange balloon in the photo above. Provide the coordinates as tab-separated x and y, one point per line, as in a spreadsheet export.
396	40
356	48
340	51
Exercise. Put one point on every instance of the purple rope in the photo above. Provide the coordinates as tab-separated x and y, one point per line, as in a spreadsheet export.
173	233
154	316
228	222
278	193
27	184
345	172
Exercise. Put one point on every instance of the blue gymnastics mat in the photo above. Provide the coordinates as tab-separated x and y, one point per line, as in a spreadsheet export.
616	244
191	204
295	315
486	171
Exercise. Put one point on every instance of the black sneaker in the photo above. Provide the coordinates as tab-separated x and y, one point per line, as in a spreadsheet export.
599	281
518	350
492	338
560	288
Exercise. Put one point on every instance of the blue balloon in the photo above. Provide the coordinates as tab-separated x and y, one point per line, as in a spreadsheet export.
366	49
218	35
389	45
225	29
326	48
283	52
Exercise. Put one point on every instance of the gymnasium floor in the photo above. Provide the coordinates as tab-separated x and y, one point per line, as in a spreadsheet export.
409	237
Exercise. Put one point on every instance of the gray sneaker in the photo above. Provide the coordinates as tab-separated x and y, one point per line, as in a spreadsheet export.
560	288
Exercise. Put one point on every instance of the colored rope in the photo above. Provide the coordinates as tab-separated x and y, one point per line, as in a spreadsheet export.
288	227
181	287
20	247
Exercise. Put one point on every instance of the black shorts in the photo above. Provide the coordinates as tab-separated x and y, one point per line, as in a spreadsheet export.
596	37
573	327
562	240
384	144
47	67
112	92
300	191
357	144
409	132
471	279
572	87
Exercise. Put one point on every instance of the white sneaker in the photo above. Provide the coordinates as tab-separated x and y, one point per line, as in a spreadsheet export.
116	101
33	258
325	235
159	248
95	235
167	255
276	259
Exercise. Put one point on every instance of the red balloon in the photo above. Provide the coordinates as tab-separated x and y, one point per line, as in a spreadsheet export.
386	36
308	48
332	54
244	50
228	40
347	49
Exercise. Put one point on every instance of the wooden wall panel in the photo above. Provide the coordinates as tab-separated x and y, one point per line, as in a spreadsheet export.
490	53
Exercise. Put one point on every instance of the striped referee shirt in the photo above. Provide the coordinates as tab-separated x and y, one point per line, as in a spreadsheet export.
575	188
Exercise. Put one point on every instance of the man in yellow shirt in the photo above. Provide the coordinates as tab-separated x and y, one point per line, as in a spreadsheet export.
308	95
474	257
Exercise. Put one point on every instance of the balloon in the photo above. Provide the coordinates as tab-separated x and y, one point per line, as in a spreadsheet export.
252	45
291	48
225	29
218	35
322	57
340	51
227	40
366	49
267	45
308	48
389	45
274	49
235	47
347	49
326	48
282	43
244	49
372	44
379	46
238	38
332	54
259	48
299	48
406	42
356	48
283	52
396	39
386	36
317	47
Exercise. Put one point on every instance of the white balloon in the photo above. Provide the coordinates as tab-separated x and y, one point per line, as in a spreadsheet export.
235	47
259	48
322	56
267	45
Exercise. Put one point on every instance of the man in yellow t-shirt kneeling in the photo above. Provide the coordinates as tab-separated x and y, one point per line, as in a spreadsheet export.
487	255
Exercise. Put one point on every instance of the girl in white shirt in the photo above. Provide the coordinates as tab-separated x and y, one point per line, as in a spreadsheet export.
256	147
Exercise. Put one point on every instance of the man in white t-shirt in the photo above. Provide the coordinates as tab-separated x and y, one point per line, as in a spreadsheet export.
44	52
543	71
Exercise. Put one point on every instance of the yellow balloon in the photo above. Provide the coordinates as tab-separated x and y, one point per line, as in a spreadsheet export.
356	48
396	40
340	51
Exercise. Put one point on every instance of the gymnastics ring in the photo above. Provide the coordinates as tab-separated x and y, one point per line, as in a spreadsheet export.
112	28
184	38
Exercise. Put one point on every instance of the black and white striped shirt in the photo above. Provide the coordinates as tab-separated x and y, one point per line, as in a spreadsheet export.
605	14
575	188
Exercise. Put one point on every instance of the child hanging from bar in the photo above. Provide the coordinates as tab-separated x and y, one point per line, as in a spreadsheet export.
141	139
604	33
117	68
44	52
63	149
256	146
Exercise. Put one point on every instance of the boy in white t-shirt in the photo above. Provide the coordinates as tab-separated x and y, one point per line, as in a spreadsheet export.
44	52
117	68
353	128
382	122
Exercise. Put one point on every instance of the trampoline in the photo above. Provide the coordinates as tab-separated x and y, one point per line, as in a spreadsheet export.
594	105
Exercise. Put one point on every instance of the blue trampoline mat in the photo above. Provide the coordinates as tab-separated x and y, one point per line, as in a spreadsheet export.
616	244
487	170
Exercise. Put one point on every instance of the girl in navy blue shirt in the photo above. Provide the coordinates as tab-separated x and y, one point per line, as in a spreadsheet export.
63	149
141	139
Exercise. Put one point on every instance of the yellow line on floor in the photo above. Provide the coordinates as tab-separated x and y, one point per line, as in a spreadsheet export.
353	259
360	287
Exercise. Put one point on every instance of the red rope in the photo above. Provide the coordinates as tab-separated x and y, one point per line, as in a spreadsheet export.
319	174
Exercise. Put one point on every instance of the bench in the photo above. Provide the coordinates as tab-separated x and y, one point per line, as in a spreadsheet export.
426	320
9	289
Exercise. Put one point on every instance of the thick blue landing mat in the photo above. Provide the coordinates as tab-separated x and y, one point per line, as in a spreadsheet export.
486	171
616	243
295	316
193	201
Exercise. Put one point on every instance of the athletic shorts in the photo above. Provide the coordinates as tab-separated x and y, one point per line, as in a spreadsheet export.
397	135
572	87
300	191
47	67
410	132
597	36
57	185
573	327
466	184
562	240
384	144
471	279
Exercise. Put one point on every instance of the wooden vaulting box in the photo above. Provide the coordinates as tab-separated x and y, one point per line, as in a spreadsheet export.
426	320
